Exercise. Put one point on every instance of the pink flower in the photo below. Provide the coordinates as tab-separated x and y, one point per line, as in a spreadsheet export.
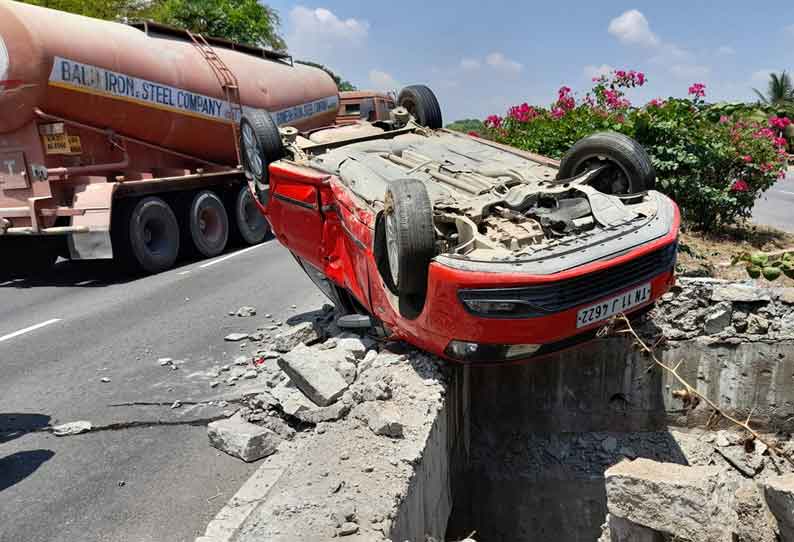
557	113
740	185
779	122
764	133
698	90
522	113
724	119
493	121
473	133
640	79
779	142
765	168
747	158
656	102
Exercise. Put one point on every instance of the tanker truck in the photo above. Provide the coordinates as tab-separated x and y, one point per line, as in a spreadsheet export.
132	142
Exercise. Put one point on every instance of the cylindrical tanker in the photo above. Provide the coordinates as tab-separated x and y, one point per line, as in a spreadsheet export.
151	87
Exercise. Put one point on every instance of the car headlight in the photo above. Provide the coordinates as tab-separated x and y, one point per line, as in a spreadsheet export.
471	352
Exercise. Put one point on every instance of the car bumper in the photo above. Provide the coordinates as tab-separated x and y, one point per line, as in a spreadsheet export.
446	321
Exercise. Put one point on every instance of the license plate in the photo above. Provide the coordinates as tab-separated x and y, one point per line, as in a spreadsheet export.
614	305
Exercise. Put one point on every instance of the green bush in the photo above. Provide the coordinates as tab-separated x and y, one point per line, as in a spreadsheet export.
713	160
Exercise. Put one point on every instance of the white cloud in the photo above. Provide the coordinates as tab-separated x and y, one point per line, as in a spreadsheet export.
501	62
725	50
381	80
689	71
470	64
591	71
632	28
318	34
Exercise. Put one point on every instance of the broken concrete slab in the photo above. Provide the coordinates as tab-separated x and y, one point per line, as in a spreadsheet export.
742	293
688	502
302	333
72	428
291	399
235	337
382	419
354	344
779	495
311	373
331	413
239	438
245	311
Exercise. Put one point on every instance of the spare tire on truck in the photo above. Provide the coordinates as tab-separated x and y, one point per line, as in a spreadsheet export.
422	104
260	145
628	167
407	243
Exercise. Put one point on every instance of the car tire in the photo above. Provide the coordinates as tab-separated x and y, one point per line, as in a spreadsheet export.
250	225
632	173
208	224
422	104
260	145
153	235
408	243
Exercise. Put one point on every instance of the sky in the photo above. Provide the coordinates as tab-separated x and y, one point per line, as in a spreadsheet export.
482	57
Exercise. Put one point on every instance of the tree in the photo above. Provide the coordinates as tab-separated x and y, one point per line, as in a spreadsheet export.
780	90
342	84
243	21
467	125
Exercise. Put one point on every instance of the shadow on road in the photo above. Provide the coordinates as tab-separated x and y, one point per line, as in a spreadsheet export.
16	467
15	425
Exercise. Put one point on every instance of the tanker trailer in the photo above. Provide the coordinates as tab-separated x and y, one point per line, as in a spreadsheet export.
123	140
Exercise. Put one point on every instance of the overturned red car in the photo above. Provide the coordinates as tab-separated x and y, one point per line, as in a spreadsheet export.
472	250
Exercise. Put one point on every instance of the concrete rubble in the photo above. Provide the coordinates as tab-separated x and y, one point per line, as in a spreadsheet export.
72	428
242	439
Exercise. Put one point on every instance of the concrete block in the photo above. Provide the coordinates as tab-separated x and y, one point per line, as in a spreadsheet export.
740	293
301	334
313	375
239	438
779	495
674	499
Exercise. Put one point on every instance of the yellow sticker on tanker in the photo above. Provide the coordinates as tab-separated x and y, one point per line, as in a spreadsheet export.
61	144
56	144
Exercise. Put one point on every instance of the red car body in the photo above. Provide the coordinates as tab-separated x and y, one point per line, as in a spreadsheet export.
333	231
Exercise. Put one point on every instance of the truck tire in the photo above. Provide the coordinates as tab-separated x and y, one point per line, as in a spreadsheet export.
153	235
250	225
409	243
422	104
208	224
260	145
632	171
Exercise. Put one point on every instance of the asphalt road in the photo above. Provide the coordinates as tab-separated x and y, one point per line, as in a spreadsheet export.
153	483
776	206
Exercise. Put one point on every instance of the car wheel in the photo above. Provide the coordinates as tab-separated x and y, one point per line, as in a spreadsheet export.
628	167
422	104
208	224
251	225
260	145
153	235
408	238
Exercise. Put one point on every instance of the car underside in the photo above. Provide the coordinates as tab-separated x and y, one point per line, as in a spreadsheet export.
471	249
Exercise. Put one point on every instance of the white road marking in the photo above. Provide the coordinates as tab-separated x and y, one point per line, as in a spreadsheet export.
184	272
28	329
232	255
85	282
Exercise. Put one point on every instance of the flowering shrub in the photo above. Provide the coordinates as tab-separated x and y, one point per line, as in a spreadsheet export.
713	161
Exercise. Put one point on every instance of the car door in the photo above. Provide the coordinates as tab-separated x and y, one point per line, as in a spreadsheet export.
294	210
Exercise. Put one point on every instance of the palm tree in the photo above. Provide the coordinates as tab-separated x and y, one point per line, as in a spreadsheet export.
779	92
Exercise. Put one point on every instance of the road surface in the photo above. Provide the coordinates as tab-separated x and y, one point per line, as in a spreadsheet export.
62	332
776	206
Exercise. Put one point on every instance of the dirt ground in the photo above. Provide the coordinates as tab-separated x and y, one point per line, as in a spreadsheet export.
710	254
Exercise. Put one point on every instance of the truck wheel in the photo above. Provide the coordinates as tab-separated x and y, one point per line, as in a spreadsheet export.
251	225
629	170
153	235
208	224
260	145
408	238
422	104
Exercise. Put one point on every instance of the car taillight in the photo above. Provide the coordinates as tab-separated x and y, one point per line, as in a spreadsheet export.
470	352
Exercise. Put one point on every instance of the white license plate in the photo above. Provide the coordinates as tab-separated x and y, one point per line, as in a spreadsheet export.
614	305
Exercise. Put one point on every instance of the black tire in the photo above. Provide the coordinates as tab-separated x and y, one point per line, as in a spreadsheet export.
422	104
260	145
250	225
632	170
409	243
153	235
208	224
